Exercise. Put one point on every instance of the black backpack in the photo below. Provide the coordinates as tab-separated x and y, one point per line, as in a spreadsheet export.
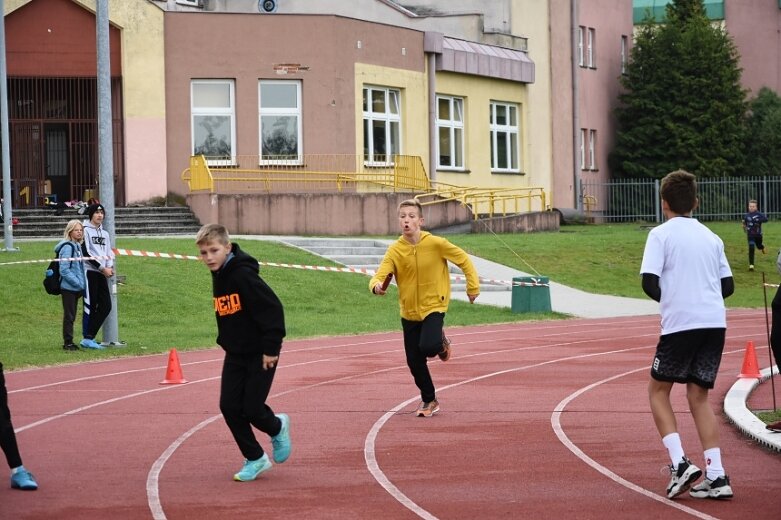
52	279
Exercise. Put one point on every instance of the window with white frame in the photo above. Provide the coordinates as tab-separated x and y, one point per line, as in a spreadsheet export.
592	149
213	127
581	38
450	132
381	125
588	149
624	51
279	116
592	44
505	130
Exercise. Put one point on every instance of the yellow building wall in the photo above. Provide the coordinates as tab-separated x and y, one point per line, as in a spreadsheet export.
143	91
414	106
549	155
478	93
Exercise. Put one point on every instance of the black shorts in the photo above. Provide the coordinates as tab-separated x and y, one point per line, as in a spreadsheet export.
689	356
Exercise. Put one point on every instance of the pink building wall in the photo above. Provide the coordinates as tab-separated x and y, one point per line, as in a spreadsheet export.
599	88
246	48
755	26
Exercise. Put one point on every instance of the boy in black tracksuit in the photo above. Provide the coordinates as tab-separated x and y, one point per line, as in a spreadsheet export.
97	298
250	328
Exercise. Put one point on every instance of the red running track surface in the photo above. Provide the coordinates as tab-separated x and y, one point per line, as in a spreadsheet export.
538	420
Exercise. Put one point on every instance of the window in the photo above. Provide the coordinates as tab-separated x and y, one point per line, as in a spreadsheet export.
381	125
450	132
581	30
213	110
592	44
504	137
588	149
592	149
279	108
624	50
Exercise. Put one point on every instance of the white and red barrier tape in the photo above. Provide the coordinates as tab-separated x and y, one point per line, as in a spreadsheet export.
368	272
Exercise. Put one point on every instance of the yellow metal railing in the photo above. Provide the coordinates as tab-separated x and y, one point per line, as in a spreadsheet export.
308	173
488	202
320	173
589	203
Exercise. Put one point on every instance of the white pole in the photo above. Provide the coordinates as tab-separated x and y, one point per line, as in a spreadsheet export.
4	129
105	152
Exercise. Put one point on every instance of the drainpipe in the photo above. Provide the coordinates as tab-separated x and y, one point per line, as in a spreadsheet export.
575	107
432	117
433	43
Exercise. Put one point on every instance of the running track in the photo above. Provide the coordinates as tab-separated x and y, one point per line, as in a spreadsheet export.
538	420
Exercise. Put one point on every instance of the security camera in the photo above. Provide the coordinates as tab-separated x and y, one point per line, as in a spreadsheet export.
267	6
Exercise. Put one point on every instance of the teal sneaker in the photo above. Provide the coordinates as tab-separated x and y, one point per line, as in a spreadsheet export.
91	343
281	441
24	480
253	468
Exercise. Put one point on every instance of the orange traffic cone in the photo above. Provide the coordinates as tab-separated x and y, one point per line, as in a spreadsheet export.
750	368
173	375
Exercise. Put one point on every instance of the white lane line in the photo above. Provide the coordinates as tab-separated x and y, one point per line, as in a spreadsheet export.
153	478
556	424
371	437
101	403
398	495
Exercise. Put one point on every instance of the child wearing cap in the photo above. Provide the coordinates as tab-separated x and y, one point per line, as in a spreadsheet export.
97	301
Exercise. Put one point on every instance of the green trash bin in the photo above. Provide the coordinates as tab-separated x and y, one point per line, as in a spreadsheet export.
531	298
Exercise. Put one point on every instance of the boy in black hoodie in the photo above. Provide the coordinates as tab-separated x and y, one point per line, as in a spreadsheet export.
250	328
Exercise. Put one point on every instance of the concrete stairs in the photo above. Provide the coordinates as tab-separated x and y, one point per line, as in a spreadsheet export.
128	221
367	253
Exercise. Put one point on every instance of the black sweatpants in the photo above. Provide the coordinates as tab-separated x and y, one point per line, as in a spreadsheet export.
243	392
754	241
70	300
422	340
97	304
775	330
7	435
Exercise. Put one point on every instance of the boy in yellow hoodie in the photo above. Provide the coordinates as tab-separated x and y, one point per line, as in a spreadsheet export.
418	260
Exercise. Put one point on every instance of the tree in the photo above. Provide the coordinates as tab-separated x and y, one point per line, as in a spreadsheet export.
763	142
683	105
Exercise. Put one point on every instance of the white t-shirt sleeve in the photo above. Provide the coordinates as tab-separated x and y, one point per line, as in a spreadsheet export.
653	256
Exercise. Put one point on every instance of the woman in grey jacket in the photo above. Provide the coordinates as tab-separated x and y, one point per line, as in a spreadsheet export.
74	278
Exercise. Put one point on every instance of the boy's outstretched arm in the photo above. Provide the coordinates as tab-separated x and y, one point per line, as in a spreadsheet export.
651	286
727	287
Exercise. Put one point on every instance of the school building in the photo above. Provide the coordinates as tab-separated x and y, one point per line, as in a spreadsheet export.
518	95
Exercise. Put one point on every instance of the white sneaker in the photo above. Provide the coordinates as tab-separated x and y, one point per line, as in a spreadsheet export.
682	478
718	488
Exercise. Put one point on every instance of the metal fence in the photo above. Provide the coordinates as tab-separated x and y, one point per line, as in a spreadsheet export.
631	200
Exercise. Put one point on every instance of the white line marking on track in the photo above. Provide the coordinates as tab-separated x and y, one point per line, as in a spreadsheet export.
369	442
396	493
153	478
556	424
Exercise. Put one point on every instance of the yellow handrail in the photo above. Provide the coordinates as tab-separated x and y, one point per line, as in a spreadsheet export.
350	173
488	201
313	173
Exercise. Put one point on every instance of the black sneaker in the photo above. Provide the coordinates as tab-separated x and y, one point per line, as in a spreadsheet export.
719	489
70	346
682	478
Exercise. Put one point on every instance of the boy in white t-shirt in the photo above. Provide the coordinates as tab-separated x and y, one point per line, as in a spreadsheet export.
685	269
